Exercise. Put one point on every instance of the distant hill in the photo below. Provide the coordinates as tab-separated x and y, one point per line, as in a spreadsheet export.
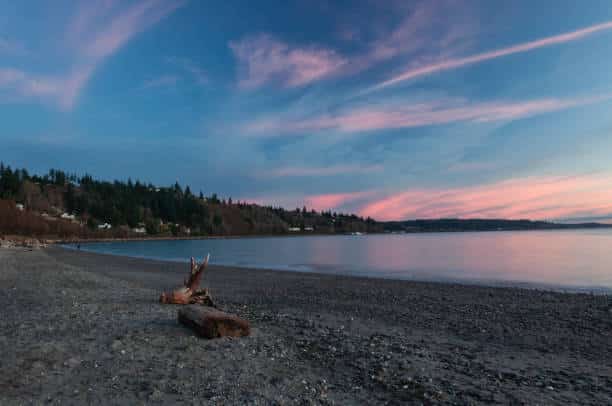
64	205
439	225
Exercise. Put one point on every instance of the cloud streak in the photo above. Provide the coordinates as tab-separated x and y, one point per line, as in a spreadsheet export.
393	116
198	74
334	200
162	81
297	171
97	31
264	59
531	198
455	63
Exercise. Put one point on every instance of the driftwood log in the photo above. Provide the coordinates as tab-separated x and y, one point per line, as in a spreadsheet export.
212	323
190	292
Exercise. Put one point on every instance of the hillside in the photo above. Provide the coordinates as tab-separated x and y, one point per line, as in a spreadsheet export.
65	205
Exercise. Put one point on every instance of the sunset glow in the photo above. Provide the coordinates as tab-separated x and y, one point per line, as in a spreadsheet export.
393	110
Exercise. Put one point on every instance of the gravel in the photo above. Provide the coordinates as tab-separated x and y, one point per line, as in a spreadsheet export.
82	328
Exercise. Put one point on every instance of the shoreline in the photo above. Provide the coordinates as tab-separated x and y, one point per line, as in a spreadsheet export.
87	328
508	284
57	240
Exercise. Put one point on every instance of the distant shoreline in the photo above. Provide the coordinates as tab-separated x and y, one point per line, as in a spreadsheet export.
64	241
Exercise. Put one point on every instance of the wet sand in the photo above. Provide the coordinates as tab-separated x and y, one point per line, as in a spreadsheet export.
80	328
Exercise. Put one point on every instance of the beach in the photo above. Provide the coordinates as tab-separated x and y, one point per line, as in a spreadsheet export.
83	328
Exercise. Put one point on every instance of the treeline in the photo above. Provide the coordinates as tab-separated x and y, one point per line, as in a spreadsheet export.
173	210
449	225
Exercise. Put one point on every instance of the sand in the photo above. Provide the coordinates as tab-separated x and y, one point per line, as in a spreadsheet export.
82	328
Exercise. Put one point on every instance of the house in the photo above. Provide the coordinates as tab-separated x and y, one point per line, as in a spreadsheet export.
67	216
140	230
19	206
308	228
104	226
294	229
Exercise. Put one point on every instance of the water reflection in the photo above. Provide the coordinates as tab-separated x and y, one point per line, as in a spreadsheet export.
573	258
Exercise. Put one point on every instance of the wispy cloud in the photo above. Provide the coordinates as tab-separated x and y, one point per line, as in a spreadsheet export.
161	81
97	31
393	116
319	202
199	75
426	30
264	59
531	198
300	171
333	200
454	63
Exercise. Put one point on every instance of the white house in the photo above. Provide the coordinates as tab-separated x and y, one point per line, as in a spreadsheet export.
19	206
140	230
67	216
294	229
104	226
308	228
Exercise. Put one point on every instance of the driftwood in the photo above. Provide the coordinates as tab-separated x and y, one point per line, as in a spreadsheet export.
212	323
190	292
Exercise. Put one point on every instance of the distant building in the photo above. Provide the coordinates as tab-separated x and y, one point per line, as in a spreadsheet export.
19	206
67	216
294	229
308	228
140	230
105	226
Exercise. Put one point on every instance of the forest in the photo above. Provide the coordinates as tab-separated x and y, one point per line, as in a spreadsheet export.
64	204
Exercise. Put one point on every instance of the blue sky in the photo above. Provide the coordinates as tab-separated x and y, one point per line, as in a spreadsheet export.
393	109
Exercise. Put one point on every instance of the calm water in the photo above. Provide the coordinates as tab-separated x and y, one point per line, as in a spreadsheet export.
577	258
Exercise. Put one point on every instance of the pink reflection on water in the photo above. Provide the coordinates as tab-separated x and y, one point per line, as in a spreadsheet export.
577	258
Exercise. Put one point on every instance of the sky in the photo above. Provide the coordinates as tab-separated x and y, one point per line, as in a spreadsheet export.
389	109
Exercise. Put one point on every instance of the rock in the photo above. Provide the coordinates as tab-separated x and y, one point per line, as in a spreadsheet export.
72	362
209	322
116	345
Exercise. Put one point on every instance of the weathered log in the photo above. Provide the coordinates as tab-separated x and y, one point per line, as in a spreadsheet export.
209	322
190	292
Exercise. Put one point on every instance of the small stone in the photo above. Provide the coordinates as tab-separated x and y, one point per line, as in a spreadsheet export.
72	362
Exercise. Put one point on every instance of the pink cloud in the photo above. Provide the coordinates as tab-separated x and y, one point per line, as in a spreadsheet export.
198	74
416	115
325	201
97	31
532	197
485	56
333	201
9	77
127	23
264	59
429	28
321	171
